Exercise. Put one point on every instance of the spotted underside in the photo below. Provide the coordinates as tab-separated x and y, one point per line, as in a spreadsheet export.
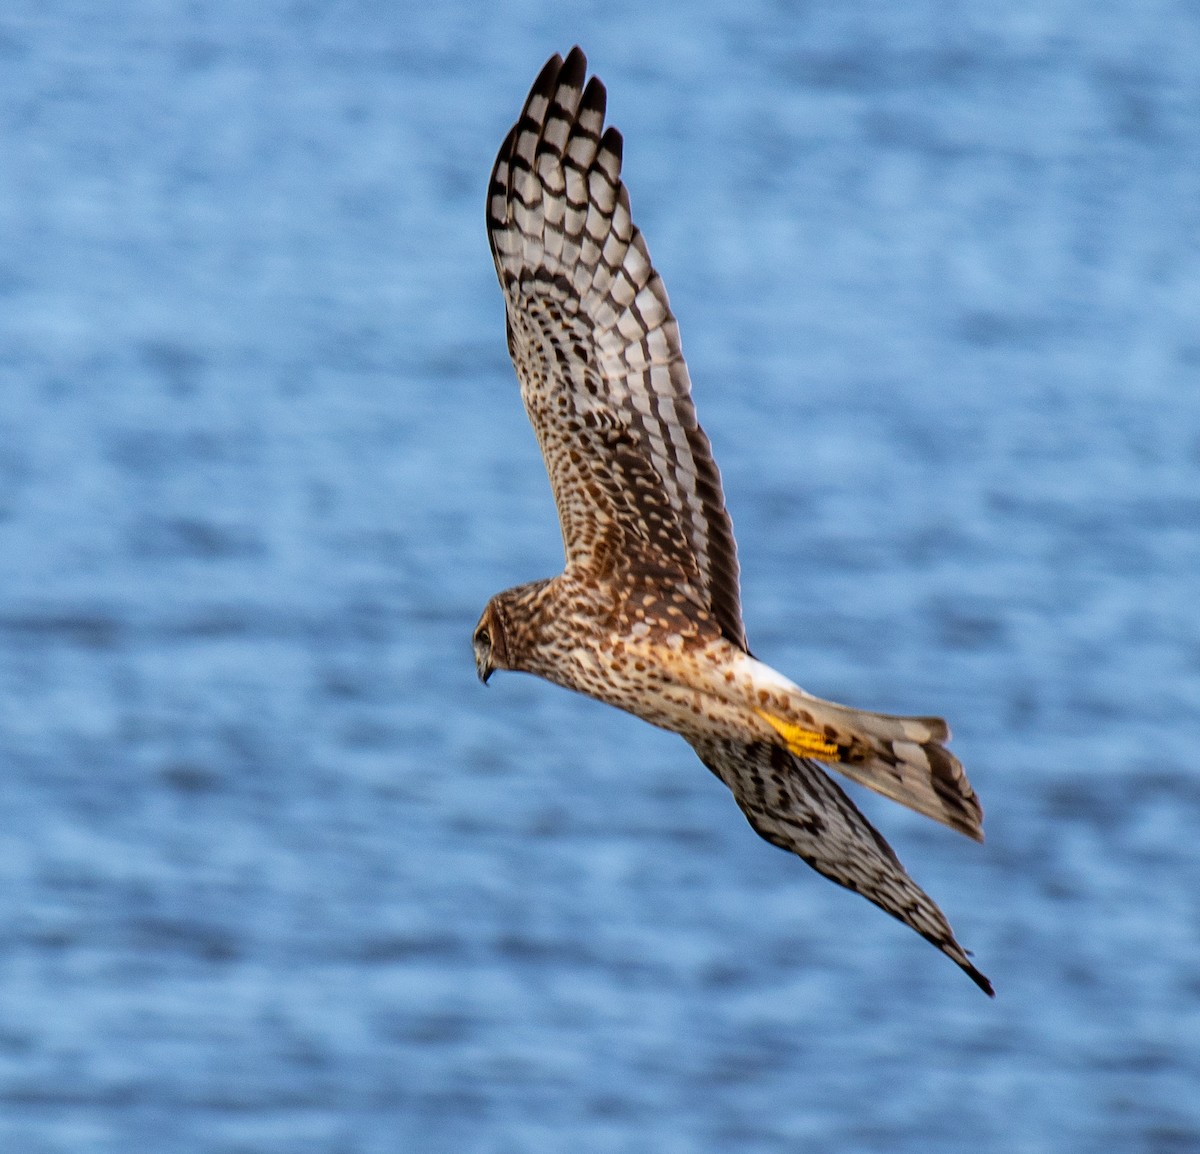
647	613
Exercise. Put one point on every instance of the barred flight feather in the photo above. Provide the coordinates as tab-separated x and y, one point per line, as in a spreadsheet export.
792	803
591	331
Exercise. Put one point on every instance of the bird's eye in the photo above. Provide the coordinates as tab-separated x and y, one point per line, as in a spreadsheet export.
482	637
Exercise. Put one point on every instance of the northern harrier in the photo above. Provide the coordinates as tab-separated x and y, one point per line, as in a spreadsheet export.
646	615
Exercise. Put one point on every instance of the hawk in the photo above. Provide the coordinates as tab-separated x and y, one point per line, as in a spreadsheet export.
646	614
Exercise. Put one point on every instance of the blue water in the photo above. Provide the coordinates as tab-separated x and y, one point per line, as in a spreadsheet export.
277	875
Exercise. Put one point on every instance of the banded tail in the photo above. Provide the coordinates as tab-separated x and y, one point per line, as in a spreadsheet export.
903	758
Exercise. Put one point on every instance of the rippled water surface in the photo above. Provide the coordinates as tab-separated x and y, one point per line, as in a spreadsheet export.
279	876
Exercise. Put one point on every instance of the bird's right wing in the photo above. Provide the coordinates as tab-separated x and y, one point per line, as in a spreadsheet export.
793	804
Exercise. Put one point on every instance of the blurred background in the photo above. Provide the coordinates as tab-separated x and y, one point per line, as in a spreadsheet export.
277	874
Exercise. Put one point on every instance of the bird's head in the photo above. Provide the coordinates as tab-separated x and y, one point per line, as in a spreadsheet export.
489	642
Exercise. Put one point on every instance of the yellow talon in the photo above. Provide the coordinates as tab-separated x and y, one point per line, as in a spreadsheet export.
800	741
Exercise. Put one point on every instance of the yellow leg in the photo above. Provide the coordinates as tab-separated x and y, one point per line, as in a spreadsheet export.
802	742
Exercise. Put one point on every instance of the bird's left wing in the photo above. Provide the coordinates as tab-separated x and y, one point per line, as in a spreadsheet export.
597	352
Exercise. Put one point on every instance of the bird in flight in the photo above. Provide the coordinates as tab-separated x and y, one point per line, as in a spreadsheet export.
646	614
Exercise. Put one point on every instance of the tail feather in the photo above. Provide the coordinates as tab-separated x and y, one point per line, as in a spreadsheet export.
794	804
903	758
